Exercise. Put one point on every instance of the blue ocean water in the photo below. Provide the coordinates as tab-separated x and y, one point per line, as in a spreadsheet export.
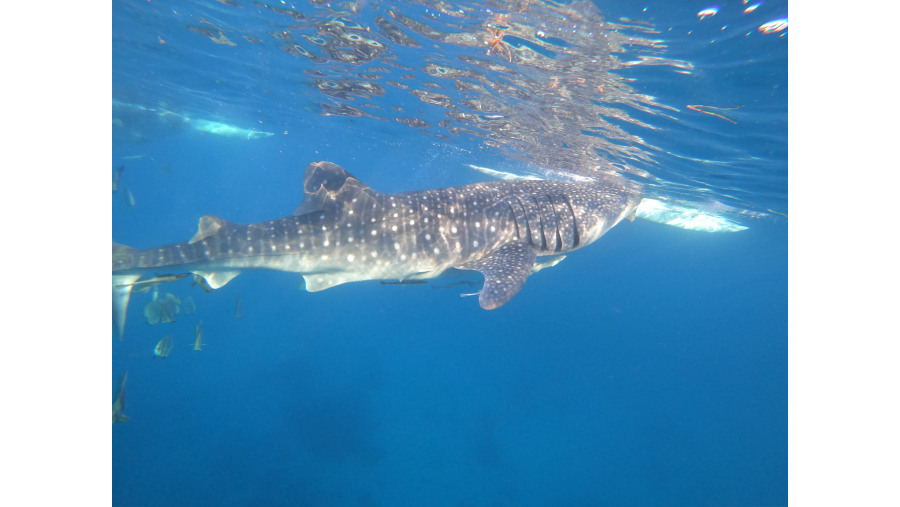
649	368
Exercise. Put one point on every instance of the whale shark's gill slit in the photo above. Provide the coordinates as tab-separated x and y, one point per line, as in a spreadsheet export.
527	221
560	223
540	221
556	223
515	221
577	238
565	224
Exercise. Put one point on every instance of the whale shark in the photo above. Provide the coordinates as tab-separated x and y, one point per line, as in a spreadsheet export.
692	216
344	231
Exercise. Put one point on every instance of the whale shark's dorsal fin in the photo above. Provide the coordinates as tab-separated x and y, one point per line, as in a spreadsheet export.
505	270
209	226
325	182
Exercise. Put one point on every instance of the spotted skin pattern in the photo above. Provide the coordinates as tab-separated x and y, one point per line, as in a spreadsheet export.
344	231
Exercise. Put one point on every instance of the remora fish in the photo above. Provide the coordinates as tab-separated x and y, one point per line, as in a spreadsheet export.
402	282
344	231
156	280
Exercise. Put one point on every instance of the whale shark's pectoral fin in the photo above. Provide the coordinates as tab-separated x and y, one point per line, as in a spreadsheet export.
505	270
320	281
549	263
216	279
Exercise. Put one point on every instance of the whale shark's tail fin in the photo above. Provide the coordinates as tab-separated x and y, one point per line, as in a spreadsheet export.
121	288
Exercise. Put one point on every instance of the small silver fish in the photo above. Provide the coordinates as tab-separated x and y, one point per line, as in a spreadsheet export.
198	336
189	306
162	309
118	408
164	346
116	177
